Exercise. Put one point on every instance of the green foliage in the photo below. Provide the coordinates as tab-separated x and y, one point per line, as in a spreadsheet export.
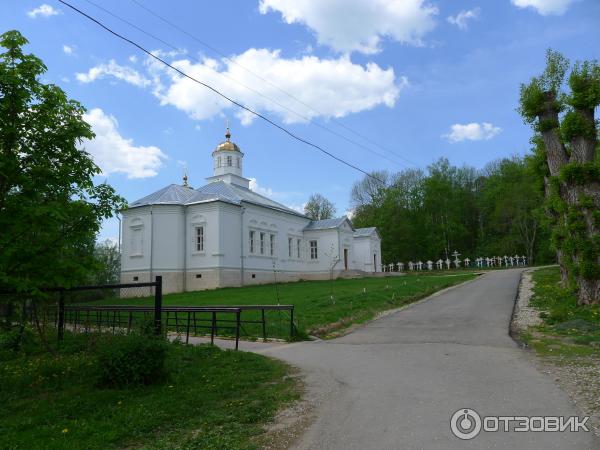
496	211
213	399
531	100
584	82
544	92
574	125
131	360
50	210
580	174
108	264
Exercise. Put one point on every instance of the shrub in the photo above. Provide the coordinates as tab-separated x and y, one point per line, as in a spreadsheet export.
130	360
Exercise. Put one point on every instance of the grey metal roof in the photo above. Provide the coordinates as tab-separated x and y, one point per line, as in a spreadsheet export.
173	194
215	191
326	223
364	232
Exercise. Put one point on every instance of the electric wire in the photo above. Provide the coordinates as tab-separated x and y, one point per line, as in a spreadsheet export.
216	91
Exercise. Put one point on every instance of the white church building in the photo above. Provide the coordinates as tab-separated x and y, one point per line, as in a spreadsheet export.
224	234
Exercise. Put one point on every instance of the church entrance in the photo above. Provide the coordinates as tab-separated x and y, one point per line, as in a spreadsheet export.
345	259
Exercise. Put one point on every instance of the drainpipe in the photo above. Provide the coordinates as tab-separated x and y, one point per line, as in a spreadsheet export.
151	242
119	242
242	211
185	242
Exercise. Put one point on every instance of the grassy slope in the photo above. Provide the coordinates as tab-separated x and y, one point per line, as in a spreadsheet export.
567	329
354	301
214	399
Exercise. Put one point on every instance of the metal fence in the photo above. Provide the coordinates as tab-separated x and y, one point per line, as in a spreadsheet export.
113	308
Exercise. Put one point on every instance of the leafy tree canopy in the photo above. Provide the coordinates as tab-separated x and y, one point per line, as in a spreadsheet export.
50	208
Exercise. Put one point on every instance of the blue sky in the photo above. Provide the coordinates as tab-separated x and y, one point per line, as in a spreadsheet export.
421	79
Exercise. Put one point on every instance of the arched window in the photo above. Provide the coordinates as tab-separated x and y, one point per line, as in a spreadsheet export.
219	161
229	161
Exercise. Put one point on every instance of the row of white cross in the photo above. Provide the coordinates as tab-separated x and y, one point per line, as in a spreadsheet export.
494	261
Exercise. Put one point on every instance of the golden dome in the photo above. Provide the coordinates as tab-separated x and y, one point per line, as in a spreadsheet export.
227	145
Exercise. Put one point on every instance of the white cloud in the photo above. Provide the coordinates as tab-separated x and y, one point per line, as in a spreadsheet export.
132	59
472	132
545	7
68	50
113	69
44	10
116	154
462	18
333	87
358	25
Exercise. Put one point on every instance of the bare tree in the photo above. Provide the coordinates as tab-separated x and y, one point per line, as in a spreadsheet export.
319	208
370	190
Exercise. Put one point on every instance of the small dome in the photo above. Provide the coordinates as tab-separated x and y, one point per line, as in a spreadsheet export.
227	145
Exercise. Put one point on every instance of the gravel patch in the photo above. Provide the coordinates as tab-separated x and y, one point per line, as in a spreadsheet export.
525	316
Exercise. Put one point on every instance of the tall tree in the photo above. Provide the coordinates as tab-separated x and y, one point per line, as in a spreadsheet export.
569	134
319	208
50	209
108	260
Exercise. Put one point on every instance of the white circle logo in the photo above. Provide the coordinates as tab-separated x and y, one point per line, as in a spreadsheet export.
465	423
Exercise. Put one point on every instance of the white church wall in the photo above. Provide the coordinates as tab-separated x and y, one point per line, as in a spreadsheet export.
363	258
167	252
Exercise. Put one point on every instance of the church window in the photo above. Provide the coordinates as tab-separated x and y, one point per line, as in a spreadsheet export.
290	241
272	244
252	241
313	250
298	242
199	239
238	162
219	161
229	161
262	243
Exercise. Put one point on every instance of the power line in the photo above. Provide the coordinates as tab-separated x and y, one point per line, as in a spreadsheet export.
292	96
240	105
307	119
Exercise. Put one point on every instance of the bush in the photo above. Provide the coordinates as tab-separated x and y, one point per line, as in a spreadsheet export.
131	360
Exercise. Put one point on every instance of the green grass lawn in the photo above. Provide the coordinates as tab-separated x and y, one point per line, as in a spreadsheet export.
567	329
213	399
322	308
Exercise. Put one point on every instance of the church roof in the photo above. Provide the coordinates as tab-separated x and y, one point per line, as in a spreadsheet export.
326	223
173	194
215	191
364	232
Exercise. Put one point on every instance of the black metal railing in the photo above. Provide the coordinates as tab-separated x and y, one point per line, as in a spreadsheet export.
70	309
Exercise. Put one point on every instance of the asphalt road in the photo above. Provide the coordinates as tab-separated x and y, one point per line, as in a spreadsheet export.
395	383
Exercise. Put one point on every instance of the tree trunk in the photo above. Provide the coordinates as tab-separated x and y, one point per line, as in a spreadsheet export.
573	193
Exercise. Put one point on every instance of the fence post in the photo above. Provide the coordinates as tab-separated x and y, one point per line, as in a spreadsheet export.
292	322
61	315
158	306
237	329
